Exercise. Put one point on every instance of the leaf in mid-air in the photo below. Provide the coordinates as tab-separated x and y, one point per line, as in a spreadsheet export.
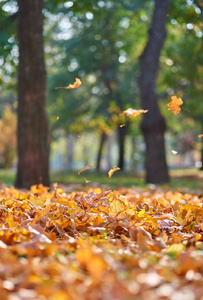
174	152
86	168
75	85
133	112
174	105
86	180
110	172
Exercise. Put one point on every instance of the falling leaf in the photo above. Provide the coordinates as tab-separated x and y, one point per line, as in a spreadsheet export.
200	135
86	180
86	168
57	118
174	152
115	168
75	85
174	105
122	125
134	112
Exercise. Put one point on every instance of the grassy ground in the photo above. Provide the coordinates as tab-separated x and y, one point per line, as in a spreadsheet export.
188	178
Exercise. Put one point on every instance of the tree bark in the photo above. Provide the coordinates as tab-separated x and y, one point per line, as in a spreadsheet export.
122	132
103	138
70	151
33	150
108	156
153	124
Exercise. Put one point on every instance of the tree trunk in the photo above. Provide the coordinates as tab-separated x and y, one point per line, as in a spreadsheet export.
70	151
153	124
108	157
122	132
103	138
33	150
133	160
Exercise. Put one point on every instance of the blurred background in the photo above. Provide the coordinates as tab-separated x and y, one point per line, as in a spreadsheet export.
100	42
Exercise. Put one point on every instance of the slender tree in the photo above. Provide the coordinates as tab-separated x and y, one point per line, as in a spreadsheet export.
153	124
33	150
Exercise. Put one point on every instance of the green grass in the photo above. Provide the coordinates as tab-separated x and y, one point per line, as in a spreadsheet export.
191	179
7	176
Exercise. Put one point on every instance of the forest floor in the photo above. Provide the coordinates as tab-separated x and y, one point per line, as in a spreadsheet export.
89	242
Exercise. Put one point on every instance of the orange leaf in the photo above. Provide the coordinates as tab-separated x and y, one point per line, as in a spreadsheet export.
133	112
86	168
122	125
200	135
113	170
86	180
75	85
174	105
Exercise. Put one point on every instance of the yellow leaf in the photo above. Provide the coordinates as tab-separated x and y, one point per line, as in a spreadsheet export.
141	213
175	248
113	170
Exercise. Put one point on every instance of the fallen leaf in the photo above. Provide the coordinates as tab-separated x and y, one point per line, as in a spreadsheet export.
122	125
110	172
79	136
200	135
86	168
57	118
174	105
75	85
134	112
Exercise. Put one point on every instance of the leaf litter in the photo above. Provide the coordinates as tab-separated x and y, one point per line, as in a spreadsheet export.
100	244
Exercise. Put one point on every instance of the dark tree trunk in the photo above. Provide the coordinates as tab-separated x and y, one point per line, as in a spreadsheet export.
122	132
153	124
103	138
33	150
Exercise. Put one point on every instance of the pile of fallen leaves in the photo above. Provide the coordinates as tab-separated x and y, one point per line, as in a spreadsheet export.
100	244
